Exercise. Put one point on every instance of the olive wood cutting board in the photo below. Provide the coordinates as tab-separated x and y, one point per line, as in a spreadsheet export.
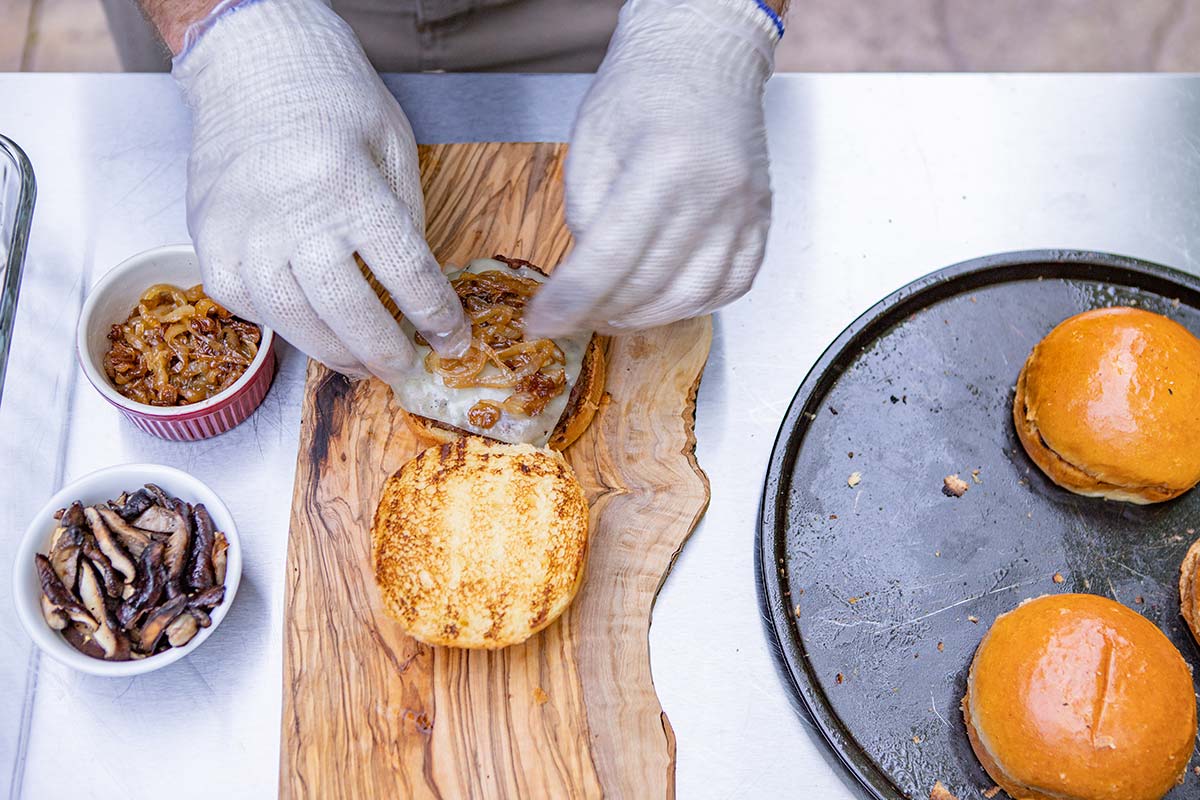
371	713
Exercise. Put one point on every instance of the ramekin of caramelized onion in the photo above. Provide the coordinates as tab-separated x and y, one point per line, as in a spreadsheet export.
174	361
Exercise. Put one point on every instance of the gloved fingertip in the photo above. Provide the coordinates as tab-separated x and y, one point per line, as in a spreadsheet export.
398	366
544	325
452	343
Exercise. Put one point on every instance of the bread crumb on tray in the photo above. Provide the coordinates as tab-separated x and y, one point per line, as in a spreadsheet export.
954	486
992	792
940	792
854	479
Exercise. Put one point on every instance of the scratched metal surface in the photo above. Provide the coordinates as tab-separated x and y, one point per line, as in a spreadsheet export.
889	574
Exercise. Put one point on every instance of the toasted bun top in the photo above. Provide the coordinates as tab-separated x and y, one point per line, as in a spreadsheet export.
479	544
1116	393
1077	696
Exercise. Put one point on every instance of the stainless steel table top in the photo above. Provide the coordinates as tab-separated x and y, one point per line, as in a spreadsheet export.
878	179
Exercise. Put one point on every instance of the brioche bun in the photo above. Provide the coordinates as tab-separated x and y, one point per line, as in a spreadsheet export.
1189	589
1076	697
479	544
1108	405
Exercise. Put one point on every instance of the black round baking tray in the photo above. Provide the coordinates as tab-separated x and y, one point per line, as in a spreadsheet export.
877	594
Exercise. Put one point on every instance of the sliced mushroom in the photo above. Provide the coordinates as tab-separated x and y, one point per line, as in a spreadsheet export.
55	617
209	598
157	519
177	551
158	621
200	565
64	554
54	591
112	640
113	585
220	557
81	639
133	576
160	496
133	539
109	545
72	517
134	505
147	587
181	631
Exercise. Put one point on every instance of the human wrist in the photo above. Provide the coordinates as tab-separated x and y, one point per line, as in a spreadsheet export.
279	24
219	9
172	18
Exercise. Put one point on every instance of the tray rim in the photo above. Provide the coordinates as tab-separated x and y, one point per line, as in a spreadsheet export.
788	654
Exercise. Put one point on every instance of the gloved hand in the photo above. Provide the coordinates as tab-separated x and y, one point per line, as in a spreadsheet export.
667	191
300	157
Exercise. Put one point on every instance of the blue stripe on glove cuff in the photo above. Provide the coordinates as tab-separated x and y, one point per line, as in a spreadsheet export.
770	12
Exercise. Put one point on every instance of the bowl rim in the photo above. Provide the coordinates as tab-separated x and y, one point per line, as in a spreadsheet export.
36	538
95	372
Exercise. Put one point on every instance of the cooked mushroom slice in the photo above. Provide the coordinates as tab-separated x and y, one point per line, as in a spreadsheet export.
113	641
160	497
73	516
54	591
157	519
132	506
158	621
181	631
133	539
54	615
109	545
177	551
147	587
220	557
200	565
209	598
82	640
64	554
202	617
113	585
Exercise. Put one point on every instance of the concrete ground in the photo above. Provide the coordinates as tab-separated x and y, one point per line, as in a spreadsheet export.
823	35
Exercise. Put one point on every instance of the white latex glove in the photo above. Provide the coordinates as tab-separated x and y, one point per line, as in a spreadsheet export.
300	157
667	191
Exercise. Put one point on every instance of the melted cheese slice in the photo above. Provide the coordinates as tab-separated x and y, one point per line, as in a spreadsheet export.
426	394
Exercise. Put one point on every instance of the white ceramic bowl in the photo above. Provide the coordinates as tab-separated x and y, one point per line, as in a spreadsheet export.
110	302
107	484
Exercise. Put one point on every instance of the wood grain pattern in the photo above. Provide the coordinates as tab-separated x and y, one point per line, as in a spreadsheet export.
371	713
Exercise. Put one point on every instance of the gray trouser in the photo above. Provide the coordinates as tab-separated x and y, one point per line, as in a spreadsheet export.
426	35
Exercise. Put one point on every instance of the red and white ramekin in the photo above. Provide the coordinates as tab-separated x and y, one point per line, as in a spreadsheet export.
109	303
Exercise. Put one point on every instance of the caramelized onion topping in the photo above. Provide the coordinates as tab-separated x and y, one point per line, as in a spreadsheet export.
499	356
178	346
484	414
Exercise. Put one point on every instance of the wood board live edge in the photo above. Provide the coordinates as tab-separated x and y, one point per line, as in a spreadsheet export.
369	712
